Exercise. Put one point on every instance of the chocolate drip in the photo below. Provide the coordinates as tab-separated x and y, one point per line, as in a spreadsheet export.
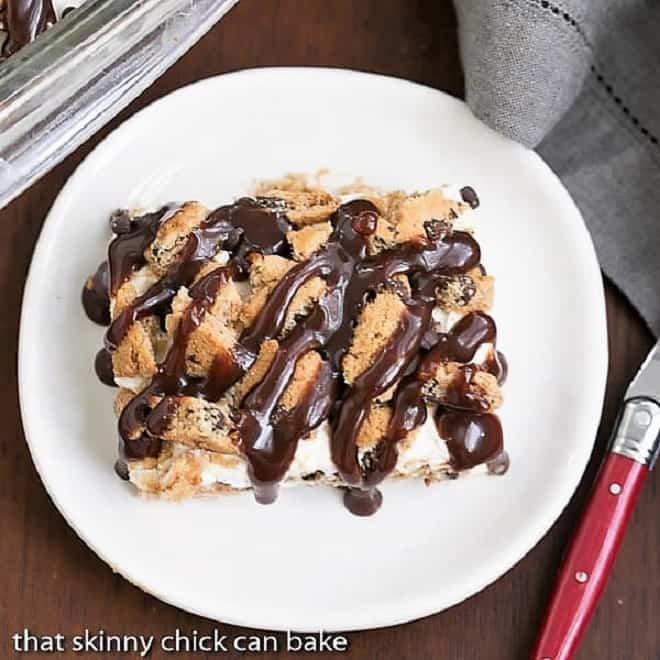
155	301
96	297
362	502
462	341
384	372
24	21
103	367
497	365
125	254
261	229
270	454
460	394
499	465
134	236
472	438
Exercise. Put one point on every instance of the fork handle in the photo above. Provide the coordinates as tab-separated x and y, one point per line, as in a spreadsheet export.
590	557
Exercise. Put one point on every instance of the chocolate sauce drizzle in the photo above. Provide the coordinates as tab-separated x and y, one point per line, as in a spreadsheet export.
96	295
24	20
141	424
268	435
133	237
472	439
242	227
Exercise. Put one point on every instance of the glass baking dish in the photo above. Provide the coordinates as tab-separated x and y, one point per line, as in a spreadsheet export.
60	89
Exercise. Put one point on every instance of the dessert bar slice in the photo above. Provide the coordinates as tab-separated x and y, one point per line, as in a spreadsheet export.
298	336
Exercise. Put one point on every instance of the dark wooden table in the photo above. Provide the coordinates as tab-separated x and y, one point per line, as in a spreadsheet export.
51	582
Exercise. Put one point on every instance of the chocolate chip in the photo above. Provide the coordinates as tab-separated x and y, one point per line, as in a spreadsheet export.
121	469
436	229
399	288
121	223
459	289
278	414
470	197
368	462
273	203
219	422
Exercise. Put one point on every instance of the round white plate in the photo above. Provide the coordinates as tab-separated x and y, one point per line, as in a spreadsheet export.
305	563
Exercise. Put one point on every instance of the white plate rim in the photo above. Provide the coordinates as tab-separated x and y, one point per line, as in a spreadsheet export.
411	610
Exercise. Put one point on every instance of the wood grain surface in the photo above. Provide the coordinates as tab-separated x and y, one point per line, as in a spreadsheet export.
51	582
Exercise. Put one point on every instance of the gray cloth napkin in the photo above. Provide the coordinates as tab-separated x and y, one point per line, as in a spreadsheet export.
579	80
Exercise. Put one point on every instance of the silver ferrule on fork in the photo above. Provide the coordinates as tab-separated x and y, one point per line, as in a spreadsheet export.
637	434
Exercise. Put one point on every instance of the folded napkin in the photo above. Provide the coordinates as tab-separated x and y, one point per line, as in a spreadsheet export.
579	80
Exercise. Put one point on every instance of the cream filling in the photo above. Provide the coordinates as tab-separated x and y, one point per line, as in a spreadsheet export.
425	450
445	319
235	476
134	383
313	455
140	281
